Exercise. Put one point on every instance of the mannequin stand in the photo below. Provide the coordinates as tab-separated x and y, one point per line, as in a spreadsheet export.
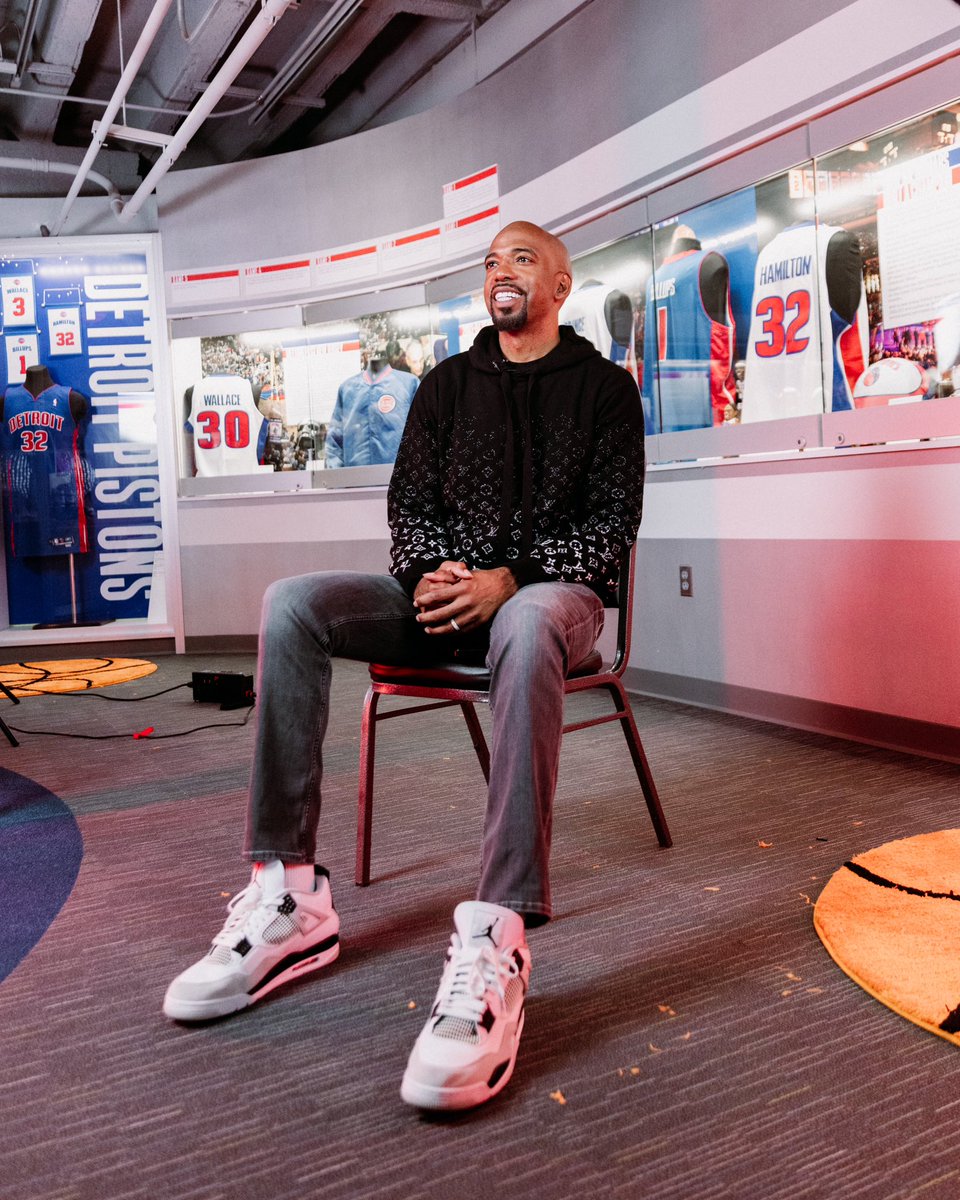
4	728
73	623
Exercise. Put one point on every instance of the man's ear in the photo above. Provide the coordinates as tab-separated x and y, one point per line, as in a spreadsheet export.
563	285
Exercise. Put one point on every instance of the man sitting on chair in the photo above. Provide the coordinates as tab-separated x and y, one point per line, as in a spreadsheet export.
516	490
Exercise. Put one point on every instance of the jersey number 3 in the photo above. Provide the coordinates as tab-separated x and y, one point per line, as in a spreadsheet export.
783	324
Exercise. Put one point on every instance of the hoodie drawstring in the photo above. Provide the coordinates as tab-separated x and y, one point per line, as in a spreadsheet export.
509	452
508	491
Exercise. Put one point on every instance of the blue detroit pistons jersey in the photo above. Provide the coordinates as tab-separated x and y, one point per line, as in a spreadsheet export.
685	350
368	418
43	474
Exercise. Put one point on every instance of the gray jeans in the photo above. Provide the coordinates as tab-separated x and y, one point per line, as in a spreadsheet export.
311	619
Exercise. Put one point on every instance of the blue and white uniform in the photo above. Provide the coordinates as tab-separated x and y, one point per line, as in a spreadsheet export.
43	474
685	351
368	418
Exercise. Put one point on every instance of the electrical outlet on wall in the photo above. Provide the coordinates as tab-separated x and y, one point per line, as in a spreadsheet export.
686	581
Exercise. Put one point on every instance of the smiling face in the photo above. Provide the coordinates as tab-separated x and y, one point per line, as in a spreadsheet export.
527	278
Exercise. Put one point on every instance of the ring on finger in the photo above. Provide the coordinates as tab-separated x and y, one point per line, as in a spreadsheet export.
453	622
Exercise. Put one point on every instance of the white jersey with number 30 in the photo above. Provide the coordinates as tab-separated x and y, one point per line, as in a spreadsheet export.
226	426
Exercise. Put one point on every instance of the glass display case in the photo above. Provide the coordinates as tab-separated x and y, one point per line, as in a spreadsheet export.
82	441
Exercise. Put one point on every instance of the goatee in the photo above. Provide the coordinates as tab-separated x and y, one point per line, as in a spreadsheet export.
511	322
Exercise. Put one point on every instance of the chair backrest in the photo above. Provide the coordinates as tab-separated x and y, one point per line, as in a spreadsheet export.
624	610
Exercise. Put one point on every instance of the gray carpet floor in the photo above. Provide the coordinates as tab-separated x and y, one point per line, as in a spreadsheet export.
682	1007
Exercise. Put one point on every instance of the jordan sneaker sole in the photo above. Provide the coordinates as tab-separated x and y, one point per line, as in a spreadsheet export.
426	1096
293	967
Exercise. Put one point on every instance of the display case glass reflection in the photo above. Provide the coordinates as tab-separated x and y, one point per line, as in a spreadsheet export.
606	303
898	194
322	396
755	311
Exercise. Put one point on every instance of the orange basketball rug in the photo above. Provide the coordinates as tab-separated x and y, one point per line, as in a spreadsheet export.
71	674
890	919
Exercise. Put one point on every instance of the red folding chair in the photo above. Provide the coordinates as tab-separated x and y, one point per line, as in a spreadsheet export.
453	683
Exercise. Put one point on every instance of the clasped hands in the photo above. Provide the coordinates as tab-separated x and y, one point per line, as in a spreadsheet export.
453	599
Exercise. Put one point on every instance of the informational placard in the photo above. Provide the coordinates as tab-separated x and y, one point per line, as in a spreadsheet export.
470	233
916	178
919	243
64	331
202	287
22	352
276	276
346	263
412	248
313	371
19	299
472	193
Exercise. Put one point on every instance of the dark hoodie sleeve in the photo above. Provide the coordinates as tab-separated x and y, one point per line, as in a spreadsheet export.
589	549
421	541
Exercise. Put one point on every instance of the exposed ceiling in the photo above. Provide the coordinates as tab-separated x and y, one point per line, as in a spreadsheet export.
325	70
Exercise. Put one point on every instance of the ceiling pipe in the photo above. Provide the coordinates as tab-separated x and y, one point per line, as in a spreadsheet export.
43	167
287	77
269	15
26	41
139	53
90	101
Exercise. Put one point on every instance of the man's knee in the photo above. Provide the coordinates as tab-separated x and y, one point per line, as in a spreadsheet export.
297	601
283	598
528	620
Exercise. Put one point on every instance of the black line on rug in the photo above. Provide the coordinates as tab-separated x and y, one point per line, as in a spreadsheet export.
864	873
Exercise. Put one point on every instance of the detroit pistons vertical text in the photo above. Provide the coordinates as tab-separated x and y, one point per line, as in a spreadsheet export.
123	442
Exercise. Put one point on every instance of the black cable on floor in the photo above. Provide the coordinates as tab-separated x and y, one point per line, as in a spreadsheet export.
98	695
146	735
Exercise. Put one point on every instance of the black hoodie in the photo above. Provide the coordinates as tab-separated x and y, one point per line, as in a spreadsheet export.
533	466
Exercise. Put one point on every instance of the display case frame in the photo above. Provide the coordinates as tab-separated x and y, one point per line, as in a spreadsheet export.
127	587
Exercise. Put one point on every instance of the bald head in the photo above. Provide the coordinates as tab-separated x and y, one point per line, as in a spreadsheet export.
527	279
548	243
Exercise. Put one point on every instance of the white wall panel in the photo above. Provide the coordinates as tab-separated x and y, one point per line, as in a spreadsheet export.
886	496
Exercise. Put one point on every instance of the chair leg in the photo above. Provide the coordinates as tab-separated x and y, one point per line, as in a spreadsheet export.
368	741
644	774
479	741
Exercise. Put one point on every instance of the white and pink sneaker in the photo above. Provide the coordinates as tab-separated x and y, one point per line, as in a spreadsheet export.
272	935
466	1052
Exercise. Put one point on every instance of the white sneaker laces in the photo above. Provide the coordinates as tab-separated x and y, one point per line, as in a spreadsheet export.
470	972
249	909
